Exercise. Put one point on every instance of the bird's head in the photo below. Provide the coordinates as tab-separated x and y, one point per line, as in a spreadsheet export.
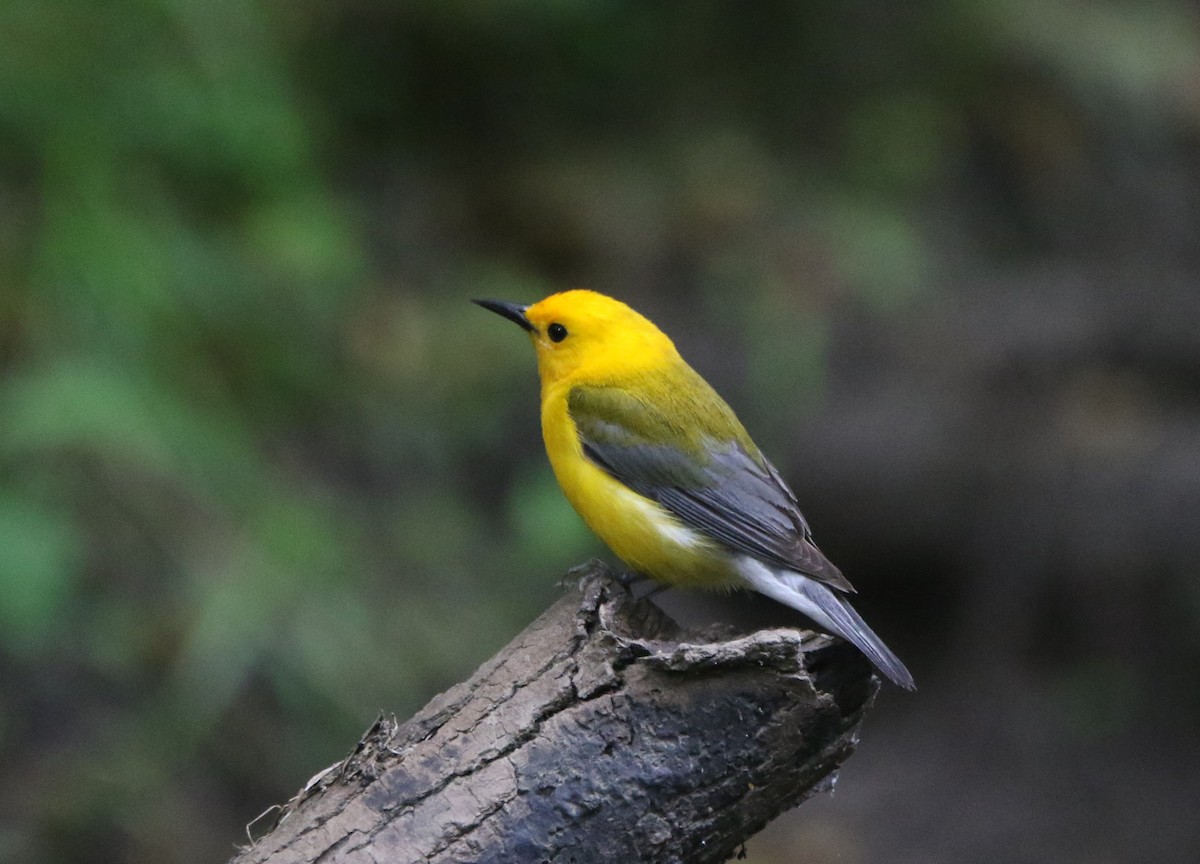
582	335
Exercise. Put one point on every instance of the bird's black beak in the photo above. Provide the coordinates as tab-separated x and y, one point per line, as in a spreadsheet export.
512	311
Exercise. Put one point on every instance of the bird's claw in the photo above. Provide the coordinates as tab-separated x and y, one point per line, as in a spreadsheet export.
580	571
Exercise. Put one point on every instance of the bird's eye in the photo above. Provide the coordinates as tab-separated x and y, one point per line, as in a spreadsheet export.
556	332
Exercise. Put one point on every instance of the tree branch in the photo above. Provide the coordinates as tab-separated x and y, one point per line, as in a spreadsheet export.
601	733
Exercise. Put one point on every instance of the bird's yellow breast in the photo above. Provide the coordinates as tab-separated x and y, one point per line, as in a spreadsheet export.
642	533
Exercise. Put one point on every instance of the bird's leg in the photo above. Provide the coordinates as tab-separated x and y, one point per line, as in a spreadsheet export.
655	590
627	579
631	579
580	571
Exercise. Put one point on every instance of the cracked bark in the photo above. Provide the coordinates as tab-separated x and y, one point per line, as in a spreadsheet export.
601	733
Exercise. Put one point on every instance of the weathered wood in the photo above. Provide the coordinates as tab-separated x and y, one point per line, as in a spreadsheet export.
601	733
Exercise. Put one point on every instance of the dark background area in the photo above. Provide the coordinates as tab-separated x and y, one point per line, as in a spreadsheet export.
265	472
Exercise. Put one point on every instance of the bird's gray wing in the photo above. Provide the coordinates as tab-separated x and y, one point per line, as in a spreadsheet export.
725	489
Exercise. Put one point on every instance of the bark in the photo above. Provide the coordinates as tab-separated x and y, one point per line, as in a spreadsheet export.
601	733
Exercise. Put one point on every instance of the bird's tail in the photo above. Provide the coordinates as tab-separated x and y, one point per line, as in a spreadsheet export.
830	611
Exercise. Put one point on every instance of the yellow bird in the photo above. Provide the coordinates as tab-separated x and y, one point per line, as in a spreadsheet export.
662	470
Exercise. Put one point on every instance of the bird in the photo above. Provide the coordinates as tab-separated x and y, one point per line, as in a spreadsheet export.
660	468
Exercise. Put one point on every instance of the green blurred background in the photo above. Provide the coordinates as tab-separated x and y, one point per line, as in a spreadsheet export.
264	472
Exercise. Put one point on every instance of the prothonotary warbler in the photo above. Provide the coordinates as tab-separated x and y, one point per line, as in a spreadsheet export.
662	470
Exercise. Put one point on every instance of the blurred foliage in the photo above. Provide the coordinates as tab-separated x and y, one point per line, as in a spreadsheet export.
263	472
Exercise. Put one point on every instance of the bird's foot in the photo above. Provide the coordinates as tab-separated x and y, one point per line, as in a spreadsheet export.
655	589
627	579
579	571
631	580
